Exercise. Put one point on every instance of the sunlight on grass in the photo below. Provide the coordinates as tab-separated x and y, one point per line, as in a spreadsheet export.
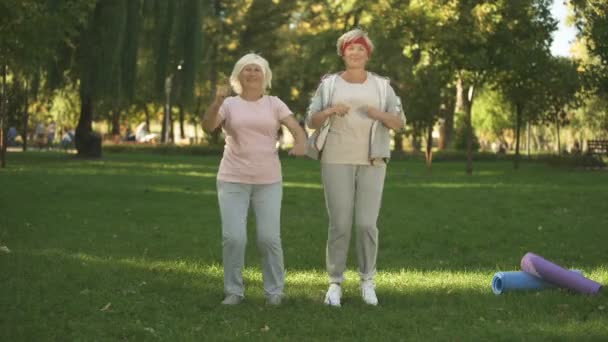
453	185
400	281
181	266
129	248
194	174
175	189
143	165
302	185
125	171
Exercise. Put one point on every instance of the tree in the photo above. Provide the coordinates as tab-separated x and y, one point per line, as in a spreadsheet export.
591	19
470	48
523	67
492	115
98	56
30	32
562	83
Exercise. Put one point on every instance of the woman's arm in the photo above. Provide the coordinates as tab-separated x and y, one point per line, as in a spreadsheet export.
318	118
394	119
316	115
389	120
210	120
299	147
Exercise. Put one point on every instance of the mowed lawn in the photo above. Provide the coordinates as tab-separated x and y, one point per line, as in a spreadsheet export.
129	248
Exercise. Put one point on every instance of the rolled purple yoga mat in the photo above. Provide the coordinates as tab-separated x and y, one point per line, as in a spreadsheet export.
557	275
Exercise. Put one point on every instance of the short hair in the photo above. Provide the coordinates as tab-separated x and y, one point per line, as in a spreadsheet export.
352	35
250	58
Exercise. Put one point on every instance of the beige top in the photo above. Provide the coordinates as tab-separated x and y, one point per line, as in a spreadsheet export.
348	138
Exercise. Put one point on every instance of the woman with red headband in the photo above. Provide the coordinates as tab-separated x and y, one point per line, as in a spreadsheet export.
352	112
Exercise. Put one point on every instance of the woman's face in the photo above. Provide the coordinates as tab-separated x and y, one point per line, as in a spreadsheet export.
252	77
355	56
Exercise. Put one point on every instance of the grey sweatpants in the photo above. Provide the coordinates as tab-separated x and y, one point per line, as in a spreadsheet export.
234	200
352	191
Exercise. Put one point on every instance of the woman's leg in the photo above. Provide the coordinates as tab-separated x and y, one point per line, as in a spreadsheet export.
234	204
339	186
266	202
368	198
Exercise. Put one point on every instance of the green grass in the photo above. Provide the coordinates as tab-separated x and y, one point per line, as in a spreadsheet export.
141	233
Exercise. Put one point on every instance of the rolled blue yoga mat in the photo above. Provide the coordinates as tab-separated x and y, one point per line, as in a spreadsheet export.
519	281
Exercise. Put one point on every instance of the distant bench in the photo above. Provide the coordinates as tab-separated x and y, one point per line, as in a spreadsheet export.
597	147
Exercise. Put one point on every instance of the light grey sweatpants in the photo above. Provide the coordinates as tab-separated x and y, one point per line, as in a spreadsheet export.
234	200
352	191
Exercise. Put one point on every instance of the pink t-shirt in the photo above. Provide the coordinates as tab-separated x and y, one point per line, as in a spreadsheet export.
250	153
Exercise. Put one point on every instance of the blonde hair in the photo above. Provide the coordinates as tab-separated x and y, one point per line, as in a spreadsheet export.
352	35
250	58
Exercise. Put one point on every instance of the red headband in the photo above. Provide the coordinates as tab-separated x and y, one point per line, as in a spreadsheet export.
359	40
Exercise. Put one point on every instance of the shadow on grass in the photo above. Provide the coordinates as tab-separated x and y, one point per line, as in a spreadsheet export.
143	234
53	294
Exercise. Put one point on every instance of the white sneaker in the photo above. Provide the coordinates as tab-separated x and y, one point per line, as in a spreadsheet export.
232	300
333	295
368	292
274	300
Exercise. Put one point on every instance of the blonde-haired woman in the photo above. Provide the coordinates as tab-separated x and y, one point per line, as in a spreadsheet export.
352	112
250	173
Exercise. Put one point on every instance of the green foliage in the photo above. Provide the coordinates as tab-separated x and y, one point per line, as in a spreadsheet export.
15	99
31	30
591	18
189	43
123	51
129	56
460	141
422	103
164	13
65	106
591	119
561	83
100	49
492	114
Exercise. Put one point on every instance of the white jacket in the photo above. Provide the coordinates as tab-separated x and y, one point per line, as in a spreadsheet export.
379	137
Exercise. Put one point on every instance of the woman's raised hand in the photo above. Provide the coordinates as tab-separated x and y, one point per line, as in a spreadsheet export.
222	92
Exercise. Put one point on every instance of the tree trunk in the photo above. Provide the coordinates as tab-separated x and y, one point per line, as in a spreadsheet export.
429	148
519	110
3	137
147	114
537	146
167	115
398	140
214	138
182	132
195	118
416	145
88	143
559	145
171	127
528	138
446	128
164	131
464	103
116	122
26	116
